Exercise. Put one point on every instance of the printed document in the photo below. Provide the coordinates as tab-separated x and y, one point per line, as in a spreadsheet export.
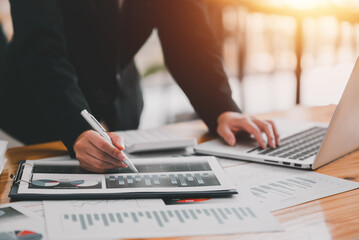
173	175
14	224
102	220
279	187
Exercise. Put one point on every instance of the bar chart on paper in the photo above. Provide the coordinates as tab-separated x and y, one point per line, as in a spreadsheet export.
162	180
285	187
158	221
159	218
279	188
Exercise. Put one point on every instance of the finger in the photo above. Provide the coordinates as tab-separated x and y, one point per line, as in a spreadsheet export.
267	129
88	167
117	140
102	156
255	131
226	133
92	164
103	165
275	131
123	165
247	124
100	143
83	146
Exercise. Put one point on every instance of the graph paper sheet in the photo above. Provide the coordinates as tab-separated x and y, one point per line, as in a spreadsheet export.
279	187
127	219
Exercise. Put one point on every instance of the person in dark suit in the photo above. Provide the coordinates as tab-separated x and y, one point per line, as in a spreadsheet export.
3	45
67	56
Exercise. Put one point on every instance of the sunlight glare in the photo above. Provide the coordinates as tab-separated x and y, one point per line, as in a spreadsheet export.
305	4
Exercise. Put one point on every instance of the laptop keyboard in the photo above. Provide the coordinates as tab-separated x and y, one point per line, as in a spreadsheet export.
299	146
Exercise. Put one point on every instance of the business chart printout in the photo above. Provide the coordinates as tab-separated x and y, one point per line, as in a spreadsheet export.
281	187
155	218
180	174
14	224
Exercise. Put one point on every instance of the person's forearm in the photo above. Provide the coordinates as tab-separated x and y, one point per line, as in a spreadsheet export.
193	56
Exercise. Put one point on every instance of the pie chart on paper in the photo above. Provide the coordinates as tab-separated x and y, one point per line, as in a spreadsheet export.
28	235
84	183
45	183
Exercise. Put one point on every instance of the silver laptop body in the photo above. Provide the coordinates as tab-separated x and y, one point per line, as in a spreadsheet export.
307	145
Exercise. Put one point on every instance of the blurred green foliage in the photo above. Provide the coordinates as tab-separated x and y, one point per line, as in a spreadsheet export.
153	69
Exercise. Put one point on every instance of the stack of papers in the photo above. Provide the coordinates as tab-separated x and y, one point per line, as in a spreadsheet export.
17	225
3	147
174	177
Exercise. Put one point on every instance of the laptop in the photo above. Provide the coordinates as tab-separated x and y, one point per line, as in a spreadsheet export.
307	145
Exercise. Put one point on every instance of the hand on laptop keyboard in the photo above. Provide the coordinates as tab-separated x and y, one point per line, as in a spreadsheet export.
230	123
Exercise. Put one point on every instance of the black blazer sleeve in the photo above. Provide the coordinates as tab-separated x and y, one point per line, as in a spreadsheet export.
40	65
193	56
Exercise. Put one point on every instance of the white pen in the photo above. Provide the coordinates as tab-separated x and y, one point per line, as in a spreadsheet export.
99	128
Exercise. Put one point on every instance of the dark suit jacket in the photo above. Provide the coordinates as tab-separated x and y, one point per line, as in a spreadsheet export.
69	55
3	45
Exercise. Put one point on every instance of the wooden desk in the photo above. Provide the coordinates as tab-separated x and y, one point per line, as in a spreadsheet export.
335	217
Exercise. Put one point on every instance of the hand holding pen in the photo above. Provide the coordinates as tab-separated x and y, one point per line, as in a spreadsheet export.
96	154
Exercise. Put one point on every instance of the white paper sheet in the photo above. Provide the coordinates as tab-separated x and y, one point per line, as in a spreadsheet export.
3	160
2	164
3	147
15	224
34	209
182	174
70	220
157	139
279	187
226	162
